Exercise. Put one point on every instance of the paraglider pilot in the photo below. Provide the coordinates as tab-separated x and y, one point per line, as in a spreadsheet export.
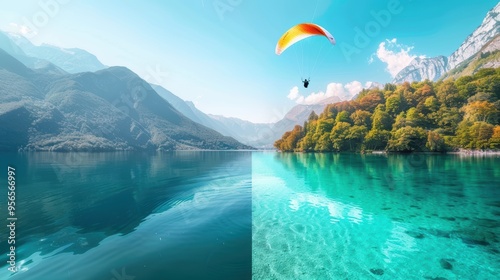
306	82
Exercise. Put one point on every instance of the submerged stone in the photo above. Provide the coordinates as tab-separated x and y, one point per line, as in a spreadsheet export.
475	242
445	264
377	271
415	234
489	223
435	278
494	204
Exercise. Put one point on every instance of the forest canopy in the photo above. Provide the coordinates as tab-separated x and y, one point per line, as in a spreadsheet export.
411	117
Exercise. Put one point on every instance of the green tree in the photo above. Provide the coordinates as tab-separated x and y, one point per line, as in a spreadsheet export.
448	94
324	143
394	105
381	120
376	139
312	116
408	139
355	137
338	136
361	117
432	104
343	117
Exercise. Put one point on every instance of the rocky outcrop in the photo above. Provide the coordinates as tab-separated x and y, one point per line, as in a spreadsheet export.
421	69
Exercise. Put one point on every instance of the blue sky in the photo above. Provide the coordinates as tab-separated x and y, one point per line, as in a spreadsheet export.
220	53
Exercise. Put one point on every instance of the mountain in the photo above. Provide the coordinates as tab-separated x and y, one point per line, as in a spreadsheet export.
487	57
71	60
423	69
111	109
437	67
188	109
252	134
257	135
489	29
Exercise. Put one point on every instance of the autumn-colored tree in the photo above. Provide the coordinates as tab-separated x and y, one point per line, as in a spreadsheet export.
435	142
370	101
417	116
483	111
495	138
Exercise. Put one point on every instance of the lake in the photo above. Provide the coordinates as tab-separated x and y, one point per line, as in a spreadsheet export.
260	215
346	216
179	215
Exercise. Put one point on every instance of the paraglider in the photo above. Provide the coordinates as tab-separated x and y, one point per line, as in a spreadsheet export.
298	33
306	82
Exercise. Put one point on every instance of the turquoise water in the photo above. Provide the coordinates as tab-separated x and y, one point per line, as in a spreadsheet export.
182	215
326	216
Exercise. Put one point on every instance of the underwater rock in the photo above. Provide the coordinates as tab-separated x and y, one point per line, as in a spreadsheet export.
438	232
435	278
445	264
474	241
494	204
489	223
377	271
415	234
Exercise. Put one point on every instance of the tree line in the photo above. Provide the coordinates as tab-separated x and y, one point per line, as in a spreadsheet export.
411	117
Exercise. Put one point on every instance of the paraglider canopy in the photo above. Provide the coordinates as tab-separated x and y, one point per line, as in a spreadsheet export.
300	32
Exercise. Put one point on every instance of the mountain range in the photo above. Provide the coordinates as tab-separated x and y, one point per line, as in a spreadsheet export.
480	45
110	109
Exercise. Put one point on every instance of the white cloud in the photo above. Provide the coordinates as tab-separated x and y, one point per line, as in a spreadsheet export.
343	92
396	56
294	93
20	29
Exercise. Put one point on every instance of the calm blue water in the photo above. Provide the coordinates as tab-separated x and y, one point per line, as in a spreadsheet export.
236	215
326	216
182	215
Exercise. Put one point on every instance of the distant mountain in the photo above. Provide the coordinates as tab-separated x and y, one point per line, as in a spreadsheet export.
188	109
252	134
111	109
435	68
423	69
71	60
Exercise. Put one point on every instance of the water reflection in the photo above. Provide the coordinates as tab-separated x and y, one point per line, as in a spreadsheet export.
71	202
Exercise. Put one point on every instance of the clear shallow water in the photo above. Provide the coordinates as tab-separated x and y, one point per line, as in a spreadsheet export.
325	216
182	215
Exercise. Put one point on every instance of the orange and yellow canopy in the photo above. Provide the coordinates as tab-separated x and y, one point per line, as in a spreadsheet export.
300	32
